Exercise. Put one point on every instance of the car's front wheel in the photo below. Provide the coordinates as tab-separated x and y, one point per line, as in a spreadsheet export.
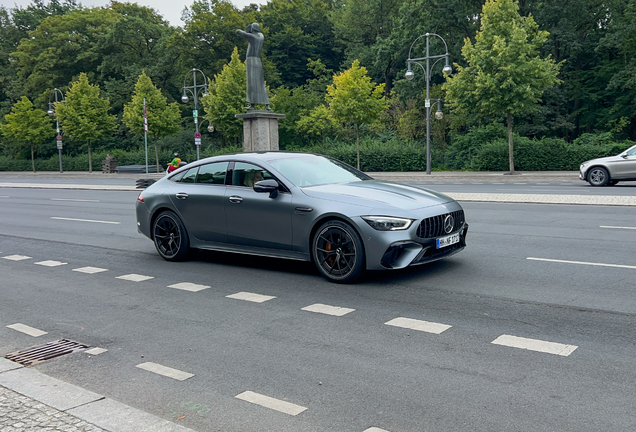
598	176
170	237
338	252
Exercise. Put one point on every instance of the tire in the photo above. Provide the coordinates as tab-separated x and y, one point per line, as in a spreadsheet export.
598	176
170	237
338	252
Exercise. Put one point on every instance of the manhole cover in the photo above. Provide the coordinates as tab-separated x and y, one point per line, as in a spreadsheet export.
42	353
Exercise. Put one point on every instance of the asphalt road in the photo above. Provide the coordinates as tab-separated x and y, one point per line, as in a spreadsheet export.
561	276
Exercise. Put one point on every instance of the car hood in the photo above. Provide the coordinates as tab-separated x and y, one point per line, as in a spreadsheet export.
603	160
374	193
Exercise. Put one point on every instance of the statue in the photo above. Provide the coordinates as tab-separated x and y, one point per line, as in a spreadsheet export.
256	91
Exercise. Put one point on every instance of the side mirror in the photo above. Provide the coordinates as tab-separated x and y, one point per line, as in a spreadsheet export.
267	186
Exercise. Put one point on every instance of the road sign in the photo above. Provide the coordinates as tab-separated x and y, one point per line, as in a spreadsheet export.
195	113
59	142
197	134
197	141
427	103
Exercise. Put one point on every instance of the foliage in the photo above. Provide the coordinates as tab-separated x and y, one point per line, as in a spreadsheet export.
28	125
84	115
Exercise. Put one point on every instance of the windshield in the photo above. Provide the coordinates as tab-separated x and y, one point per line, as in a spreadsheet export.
313	170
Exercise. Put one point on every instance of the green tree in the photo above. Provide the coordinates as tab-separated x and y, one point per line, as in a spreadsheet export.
226	98
28	125
84	114
505	74
354	99
163	118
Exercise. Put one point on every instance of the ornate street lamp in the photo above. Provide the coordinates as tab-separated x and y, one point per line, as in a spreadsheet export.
447	69
53	100
194	90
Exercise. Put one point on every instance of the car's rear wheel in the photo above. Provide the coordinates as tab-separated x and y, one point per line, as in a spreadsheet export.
338	252
598	176
170	237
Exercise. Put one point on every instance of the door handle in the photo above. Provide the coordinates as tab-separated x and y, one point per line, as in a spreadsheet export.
182	195
236	199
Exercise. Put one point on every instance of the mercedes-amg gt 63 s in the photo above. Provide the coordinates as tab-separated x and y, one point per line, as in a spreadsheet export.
299	206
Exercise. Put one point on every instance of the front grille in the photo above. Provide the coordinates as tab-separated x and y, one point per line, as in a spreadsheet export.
434	226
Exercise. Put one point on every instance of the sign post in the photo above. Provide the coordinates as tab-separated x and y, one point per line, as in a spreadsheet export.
146	134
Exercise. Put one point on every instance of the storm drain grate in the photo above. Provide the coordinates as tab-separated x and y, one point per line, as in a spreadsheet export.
42	353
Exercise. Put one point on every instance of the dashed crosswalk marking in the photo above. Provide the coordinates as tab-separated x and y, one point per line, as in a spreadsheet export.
328	310
165	371
50	263
188	286
271	403
251	297
31	331
17	257
90	270
95	351
135	277
423	326
535	345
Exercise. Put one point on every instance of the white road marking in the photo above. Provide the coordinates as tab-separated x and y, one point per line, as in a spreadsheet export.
17	257
71	199
4	196
188	286
328	310
413	324
375	429
50	263
583	263
86	220
251	297
90	270
96	351
165	371
535	345
135	277
26	329
271	403
616	227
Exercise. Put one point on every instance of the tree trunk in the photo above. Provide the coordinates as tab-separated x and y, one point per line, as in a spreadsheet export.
157	155
222	141
358	143
90	161
32	158
511	157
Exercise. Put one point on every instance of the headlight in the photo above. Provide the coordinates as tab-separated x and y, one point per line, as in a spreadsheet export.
583	166
385	223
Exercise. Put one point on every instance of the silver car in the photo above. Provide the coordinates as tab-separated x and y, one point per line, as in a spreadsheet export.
299	206
610	170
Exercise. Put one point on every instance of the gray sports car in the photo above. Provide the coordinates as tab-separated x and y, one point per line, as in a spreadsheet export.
610	170
299	206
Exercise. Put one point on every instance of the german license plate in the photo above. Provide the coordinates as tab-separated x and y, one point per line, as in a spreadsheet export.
447	241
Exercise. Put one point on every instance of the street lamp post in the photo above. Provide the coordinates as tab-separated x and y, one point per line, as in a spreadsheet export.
194	91
427	71
51	112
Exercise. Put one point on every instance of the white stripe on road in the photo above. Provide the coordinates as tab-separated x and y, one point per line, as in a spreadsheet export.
251	297
85	220
71	199
26	329
188	286
135	277
535	345
328	310
583	263
96	351
50	263
4	196
615	227
413	324
375	429
165	371
271	403
90	270
17	257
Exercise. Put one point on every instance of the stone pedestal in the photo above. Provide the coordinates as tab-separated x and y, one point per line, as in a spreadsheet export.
260	130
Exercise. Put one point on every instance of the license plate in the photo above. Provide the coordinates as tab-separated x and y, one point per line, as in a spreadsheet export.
447	241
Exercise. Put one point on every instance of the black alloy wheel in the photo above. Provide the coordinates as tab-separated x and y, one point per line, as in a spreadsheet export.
338	252
598	176
170	237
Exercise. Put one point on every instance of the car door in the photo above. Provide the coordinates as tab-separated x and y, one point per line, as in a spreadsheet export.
253	218
624	167
199	196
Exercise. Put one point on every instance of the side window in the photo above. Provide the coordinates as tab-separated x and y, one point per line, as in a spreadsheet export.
189	176
632	152
213	173
246	174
